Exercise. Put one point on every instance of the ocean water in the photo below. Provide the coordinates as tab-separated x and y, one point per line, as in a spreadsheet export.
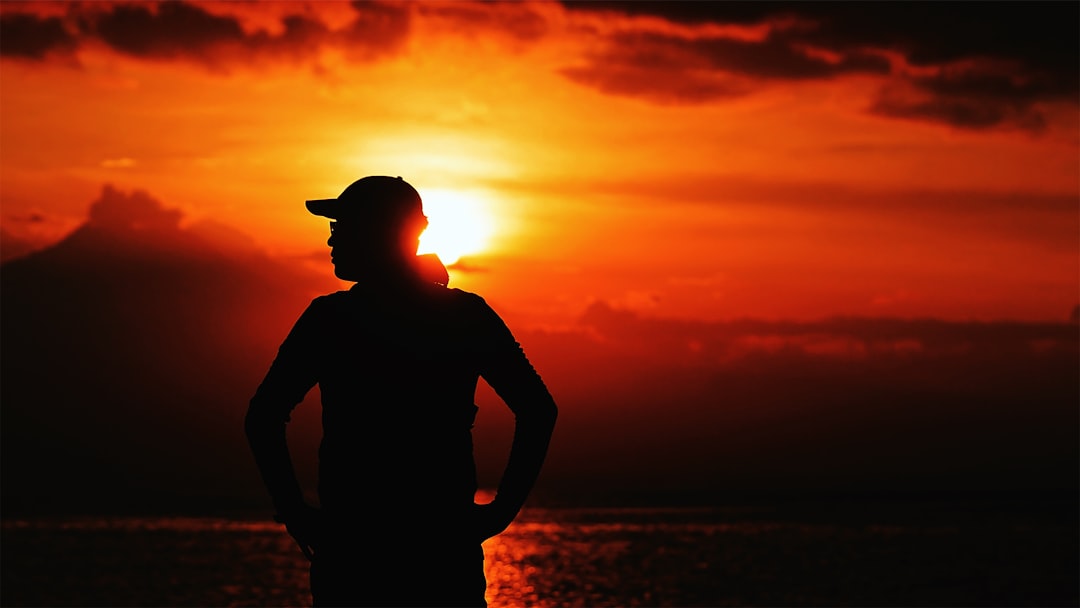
574	557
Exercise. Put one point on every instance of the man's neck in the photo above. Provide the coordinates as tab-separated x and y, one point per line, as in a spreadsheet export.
422	271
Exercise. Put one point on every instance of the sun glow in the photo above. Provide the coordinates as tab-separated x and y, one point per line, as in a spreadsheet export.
459	224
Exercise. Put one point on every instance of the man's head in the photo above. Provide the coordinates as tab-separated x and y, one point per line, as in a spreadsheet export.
375	226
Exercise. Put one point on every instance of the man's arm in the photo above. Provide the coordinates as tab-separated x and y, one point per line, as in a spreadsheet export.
508	371
291	376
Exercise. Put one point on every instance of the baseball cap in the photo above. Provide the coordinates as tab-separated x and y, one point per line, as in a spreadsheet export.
372	197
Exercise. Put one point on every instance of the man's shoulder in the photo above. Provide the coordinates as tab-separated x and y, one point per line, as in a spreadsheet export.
324	304
465	297
452	300
462	307
468	301
329	299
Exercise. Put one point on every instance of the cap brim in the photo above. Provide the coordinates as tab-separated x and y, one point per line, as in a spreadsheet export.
326	207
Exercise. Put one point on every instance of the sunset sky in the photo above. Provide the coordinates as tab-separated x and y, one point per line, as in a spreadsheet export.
687	160
749	246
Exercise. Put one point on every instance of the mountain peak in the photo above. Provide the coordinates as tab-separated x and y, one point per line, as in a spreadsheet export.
134	211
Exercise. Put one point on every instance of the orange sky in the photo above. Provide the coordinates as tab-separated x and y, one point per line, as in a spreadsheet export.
687	165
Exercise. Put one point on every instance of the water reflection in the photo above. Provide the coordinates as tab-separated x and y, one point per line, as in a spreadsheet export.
566	557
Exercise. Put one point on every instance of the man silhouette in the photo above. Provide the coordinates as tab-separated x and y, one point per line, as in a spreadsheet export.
397	359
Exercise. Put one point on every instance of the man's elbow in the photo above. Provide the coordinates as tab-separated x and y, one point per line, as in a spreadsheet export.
260	421
551	412
543	413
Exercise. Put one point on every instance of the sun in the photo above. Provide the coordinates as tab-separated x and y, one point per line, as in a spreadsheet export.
459	224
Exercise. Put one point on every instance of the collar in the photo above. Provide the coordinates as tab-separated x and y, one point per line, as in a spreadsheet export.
426	269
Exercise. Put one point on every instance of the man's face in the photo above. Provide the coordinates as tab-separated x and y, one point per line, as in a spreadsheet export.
360	249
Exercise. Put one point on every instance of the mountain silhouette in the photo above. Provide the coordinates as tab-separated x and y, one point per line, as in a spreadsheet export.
12	246
130	349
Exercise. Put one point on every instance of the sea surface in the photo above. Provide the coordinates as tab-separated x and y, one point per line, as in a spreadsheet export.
578	557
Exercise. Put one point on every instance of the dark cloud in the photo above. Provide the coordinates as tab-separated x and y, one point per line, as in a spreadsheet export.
514	19
976	97
960	111
177	30
664	87
741	13
1014	56
1041	35
676	69
378	29
1037	33
27	36
181	30
776	58
166	30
